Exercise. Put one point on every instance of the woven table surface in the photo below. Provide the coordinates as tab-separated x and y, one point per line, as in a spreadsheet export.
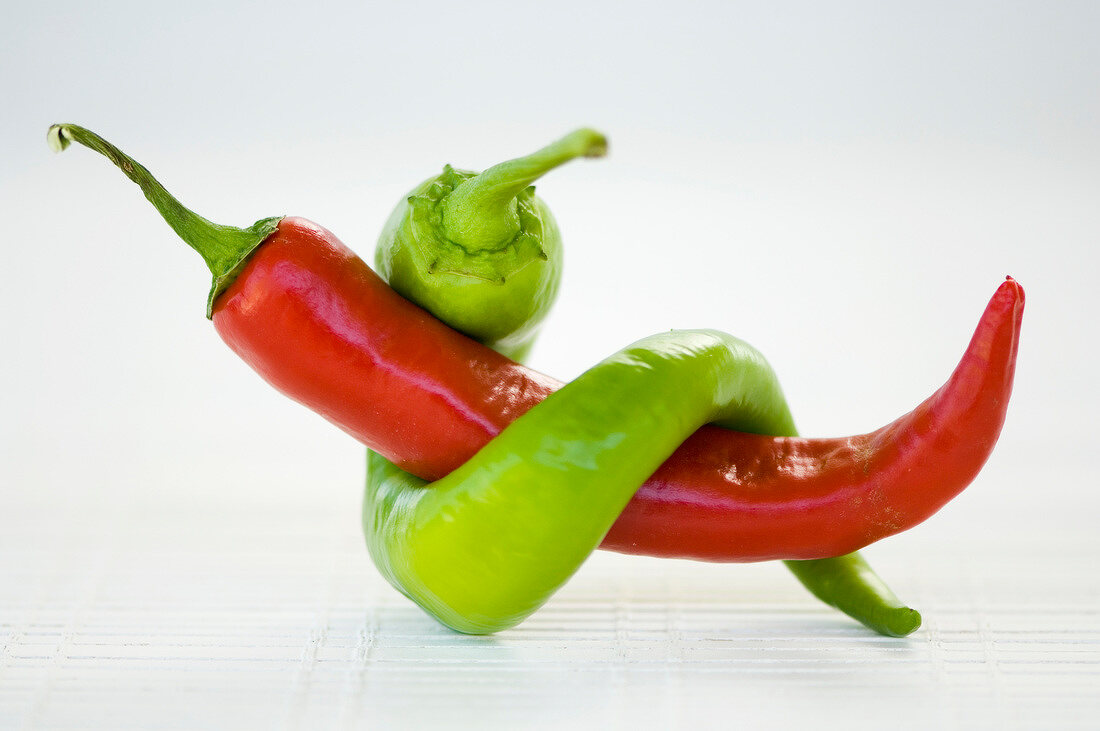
230	611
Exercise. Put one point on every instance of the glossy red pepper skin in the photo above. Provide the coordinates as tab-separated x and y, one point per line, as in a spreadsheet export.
829	497
318	324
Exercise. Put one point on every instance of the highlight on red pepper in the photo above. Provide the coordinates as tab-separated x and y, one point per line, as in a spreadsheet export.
313	320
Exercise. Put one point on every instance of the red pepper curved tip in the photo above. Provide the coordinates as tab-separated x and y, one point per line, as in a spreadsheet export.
1010	296
1013	286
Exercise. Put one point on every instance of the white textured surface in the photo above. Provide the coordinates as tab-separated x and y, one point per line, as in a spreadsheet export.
210	611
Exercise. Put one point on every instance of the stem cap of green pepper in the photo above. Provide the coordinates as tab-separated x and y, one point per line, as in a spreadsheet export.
463	244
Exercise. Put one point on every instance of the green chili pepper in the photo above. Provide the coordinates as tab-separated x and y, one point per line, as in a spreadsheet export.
847	583
485	546
414	235
481	251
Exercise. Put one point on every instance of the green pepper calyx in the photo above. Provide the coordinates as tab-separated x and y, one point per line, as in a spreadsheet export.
490	264
484	212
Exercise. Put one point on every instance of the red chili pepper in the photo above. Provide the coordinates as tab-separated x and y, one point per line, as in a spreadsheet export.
311	318
725	496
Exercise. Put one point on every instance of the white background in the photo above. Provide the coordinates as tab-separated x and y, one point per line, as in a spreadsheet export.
843	185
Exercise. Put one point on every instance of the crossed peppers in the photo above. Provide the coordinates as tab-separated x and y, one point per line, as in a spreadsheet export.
679	445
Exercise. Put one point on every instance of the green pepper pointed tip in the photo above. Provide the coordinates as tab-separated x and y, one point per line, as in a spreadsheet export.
907	622
849	584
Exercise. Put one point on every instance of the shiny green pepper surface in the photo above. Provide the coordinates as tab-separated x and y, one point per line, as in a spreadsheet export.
485	546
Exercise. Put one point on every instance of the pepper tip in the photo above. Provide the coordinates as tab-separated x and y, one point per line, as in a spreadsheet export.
909	621
1012	288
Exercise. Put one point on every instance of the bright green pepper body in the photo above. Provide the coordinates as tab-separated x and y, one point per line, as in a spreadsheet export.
485	546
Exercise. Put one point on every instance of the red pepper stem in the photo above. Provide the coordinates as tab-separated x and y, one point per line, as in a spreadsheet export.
480	214
225	249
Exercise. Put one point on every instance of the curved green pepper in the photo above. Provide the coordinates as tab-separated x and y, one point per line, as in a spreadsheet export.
481	251
485	546
846	582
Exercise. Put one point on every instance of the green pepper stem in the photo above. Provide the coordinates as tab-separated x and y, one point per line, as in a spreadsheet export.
224	248
481	212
